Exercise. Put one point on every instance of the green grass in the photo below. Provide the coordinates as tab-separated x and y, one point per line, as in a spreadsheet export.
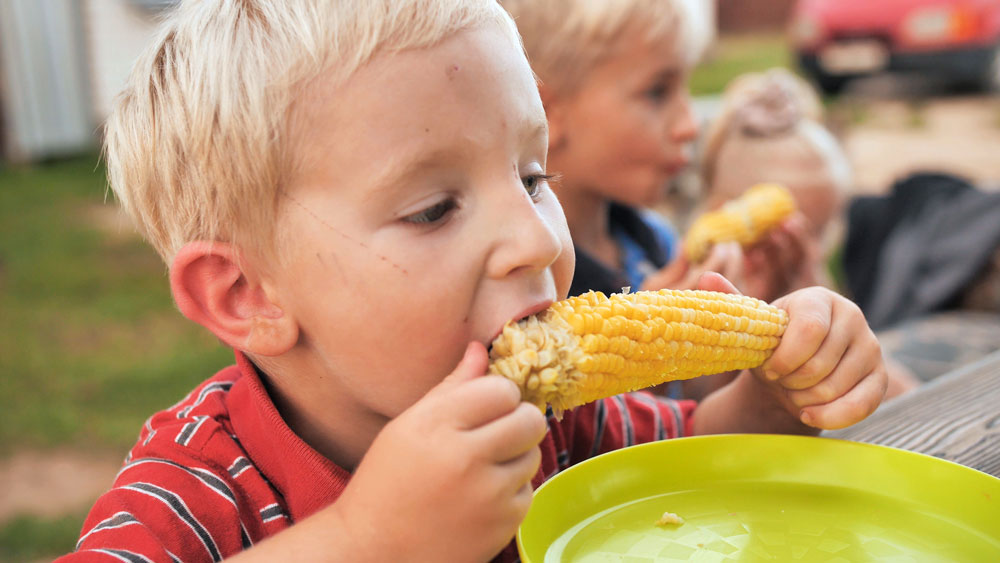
734	55
27	538
91	342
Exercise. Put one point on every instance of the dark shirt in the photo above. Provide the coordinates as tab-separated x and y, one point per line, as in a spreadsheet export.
646	243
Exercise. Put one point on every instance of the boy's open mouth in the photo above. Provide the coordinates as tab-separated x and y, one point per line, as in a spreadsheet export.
524	314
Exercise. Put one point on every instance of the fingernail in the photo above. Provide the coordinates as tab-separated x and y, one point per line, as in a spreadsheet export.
806	419
770	375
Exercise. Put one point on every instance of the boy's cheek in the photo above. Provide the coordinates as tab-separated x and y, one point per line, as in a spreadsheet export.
565	276
565	263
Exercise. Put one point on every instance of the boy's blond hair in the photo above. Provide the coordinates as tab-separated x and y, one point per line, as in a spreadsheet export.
197	145
566	39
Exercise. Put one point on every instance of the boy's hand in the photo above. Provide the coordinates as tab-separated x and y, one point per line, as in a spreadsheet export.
827	372
828	369
724	258
786	259
450	478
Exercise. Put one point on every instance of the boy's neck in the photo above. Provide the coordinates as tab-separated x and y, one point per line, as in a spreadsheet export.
340	432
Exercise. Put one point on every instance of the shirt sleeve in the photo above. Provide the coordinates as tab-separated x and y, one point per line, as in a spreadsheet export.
625	420
664	232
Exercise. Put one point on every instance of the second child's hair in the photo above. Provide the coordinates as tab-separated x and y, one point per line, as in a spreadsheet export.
566	39
771	105
769	128
197	145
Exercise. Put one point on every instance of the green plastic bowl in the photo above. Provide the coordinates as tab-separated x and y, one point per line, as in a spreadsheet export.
760	497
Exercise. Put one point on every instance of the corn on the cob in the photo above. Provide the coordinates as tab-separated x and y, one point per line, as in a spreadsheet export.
744	220
592	346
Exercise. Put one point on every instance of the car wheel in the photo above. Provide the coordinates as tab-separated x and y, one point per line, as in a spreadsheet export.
831	85
991	78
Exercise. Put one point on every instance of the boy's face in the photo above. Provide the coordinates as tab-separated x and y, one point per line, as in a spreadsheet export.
417	219
629	126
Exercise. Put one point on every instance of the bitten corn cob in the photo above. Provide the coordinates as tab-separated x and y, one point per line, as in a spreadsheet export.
589	347
744	220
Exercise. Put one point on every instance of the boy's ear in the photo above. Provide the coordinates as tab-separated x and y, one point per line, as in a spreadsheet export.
211	289
553	105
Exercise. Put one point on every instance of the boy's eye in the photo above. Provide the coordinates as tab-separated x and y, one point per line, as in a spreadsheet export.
533	183
657	93
663	87
432	214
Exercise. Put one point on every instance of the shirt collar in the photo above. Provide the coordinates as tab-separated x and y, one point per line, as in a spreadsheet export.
306	479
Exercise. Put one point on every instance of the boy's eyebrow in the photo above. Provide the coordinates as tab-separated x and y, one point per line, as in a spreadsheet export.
667	73
388	179
536	129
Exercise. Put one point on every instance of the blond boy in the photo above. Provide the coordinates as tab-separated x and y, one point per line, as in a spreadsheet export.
769	129
353	196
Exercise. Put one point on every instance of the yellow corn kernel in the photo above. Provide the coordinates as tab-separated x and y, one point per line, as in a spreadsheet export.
744	220
593	346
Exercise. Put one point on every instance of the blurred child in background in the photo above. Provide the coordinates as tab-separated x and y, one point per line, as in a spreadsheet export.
769	130
614	81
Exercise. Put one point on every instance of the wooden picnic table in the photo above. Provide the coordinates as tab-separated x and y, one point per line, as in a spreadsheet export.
954	417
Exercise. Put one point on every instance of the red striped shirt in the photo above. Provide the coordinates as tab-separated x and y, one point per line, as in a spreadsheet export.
220	470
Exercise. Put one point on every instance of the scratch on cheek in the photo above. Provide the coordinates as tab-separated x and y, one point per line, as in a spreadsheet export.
452	71
336	264
343	235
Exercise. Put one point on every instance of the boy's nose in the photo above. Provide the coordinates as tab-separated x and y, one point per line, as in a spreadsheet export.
527	236
683	124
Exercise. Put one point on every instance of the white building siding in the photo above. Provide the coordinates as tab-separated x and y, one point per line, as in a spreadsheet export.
44	98
117	31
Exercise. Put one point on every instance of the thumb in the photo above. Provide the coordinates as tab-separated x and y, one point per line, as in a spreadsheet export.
472	365
711	281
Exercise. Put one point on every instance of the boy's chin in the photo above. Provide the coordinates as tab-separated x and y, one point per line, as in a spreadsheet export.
649	195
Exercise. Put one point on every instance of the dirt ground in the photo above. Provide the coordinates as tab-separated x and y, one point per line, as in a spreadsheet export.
53	483
884	136
889	138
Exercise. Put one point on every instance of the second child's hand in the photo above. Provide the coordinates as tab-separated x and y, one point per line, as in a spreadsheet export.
724	258
783	261
450	478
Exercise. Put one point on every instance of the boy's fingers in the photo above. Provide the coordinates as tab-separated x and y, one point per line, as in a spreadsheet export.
482	400
522	499
823	362
712	281
510	436
472	365
520	470
856	363
798	227
852	407
720	255
726	259
809	321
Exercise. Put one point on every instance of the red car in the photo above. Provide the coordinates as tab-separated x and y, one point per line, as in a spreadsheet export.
838	40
